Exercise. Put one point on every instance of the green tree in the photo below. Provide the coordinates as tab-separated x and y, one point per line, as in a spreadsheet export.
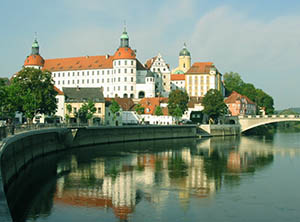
9	102
35	89
139	109
233	82
69	110
114	108
214	105
158	111
177	99
264	100
86	112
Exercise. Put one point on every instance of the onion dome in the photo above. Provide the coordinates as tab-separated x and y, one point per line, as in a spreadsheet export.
184	51
124	39
124	53
34	60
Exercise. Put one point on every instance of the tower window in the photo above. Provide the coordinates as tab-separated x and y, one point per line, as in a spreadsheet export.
132	63
125	62
131	70
131	79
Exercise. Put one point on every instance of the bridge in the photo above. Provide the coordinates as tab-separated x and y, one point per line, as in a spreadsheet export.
250	122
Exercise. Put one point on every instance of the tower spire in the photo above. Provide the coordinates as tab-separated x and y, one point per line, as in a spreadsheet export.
35	46
124	40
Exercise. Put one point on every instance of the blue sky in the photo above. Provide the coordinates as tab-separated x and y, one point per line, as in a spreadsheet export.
260	39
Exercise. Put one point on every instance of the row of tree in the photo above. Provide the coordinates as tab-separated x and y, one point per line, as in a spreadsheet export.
30	91
234	82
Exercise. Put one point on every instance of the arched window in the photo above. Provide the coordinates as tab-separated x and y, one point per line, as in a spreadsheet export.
141	94
125	95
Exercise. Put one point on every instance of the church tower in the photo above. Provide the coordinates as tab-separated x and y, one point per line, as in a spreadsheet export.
184	63
124	40
34	60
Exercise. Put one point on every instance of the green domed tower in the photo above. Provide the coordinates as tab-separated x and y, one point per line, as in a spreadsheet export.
184	63
124	40
35	50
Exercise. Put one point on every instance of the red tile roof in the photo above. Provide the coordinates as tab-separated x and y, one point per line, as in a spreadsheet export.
150	62
124	53
59	92
234	97
34	60
126	104
177	77
79	63
200	67
152	103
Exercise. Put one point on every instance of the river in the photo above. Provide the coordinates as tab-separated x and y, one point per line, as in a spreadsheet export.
217	179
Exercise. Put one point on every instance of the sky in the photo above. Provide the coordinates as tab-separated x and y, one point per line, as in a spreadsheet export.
259	39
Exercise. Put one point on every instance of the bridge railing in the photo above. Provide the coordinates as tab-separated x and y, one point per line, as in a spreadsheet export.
268	116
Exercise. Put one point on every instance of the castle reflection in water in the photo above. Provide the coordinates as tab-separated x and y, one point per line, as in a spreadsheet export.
119	179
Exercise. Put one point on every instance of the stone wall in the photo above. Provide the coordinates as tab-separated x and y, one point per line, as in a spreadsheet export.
19	150
220	130
101	135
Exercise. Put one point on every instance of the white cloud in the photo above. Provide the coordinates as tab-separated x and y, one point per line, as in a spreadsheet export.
264	53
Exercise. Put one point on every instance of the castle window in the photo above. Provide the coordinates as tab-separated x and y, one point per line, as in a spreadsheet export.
132	63
82	73
73	81
99	110
131	88
83	81
53	74
125	62
119	62
92	72
119	70
107	72
68	74
125	70
102	80
68	82
63	74
97	72
119	79
87	72
125	87
92	80
107	79
97	80
87	81
131	79
77	81
125	79
73	73
107	89
58	74
118	88
77	73
131	70
58	83
102	72
63	82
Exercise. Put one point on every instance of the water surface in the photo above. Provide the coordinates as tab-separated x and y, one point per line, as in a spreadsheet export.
218	179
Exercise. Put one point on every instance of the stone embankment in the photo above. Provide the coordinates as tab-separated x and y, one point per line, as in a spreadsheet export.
17	151
219	130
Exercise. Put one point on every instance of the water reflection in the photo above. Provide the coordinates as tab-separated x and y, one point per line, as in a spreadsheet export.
125	179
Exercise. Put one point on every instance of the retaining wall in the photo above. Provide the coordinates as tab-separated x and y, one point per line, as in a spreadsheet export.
17	151
101	135
221	130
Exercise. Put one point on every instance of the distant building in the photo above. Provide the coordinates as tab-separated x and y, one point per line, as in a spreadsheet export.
120	75
76	97
202	77
240	105
178	82
161	70
184	63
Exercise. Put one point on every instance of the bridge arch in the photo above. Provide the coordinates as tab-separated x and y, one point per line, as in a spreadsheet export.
250	123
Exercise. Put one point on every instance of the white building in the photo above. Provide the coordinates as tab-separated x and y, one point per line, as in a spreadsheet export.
178	81
162	73
120	75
